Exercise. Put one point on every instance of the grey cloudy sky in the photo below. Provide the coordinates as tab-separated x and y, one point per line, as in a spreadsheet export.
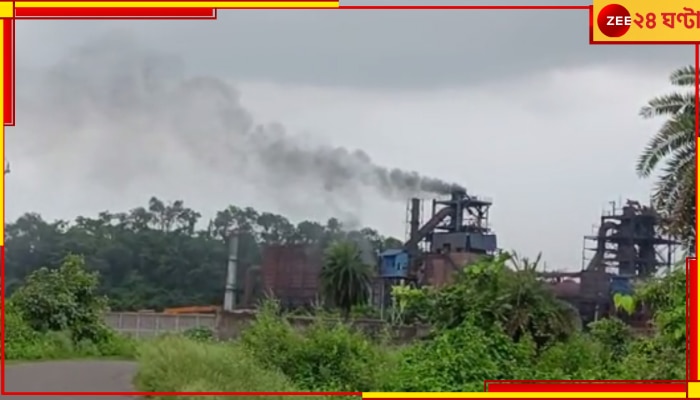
515	105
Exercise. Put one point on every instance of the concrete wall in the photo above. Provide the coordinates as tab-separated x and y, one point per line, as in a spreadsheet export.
146	324
230	325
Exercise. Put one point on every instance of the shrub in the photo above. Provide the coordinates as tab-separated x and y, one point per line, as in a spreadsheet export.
326	357
175	364
199	334
57	314
63	299
580	357
459	360
271	339
613	334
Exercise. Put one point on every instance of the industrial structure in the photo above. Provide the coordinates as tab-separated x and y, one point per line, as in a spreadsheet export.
627	247
291	273
455	234
628	243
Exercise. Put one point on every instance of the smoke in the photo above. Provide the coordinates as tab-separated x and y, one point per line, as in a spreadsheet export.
131	109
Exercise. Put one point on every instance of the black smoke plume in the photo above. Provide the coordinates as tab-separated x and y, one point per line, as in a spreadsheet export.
135	105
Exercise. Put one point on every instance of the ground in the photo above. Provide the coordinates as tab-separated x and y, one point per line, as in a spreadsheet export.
65	376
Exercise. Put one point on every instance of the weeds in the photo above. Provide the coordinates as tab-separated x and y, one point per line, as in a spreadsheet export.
178	364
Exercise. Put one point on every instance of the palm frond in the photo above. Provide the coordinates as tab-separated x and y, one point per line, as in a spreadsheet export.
684	76
670	104
345	279
676	133
674	145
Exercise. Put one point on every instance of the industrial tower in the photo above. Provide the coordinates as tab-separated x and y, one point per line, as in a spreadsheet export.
628	243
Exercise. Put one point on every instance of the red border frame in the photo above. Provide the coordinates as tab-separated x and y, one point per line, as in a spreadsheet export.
489	385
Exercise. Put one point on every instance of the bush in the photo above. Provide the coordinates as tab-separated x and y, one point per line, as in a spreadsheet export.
199	334
63	299
326	357
614	335
178	364
459	360
57	314
580	357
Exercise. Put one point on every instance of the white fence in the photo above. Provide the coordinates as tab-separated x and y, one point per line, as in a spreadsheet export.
146	324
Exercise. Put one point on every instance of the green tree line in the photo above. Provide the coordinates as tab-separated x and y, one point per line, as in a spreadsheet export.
164	254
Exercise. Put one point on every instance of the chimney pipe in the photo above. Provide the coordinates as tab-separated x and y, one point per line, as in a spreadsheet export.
231	273
415	217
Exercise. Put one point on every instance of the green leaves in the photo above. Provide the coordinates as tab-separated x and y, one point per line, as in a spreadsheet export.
667	297
57	314
345	279
488	293
624	303
63	299
162	255
672	153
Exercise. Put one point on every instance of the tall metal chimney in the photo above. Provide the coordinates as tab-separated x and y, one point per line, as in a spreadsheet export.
231	273
458	200
415	217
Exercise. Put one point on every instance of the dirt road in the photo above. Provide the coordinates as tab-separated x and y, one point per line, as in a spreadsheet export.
65	376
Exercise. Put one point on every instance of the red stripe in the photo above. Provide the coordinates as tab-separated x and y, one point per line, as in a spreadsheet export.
115	12
583	387
456	7
691	265
2	309
9	72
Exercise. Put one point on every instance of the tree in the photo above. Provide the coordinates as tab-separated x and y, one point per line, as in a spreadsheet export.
489	292
674	146
666	295
63	299
162	255
345	279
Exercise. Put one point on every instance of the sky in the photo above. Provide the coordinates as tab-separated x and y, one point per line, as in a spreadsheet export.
513	105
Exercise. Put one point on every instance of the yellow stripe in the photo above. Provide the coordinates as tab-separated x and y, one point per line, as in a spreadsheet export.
177	4
7	9
547	395
693	390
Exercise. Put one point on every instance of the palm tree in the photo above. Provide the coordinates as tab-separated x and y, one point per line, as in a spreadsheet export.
345	279
674	146
490	291
533	308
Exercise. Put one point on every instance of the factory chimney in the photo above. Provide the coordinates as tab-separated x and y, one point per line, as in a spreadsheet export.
231	272
415	217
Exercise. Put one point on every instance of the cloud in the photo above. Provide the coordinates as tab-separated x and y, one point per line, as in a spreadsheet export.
398	49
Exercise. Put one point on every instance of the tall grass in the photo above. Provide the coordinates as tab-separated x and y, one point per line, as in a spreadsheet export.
178	364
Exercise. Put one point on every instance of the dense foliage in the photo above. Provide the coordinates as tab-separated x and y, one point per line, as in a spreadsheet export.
345	278
57	313
497	321
157	256
485	326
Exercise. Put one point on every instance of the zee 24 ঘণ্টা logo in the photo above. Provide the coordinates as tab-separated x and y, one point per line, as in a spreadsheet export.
615	20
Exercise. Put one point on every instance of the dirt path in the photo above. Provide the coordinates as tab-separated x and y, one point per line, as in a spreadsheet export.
76	376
